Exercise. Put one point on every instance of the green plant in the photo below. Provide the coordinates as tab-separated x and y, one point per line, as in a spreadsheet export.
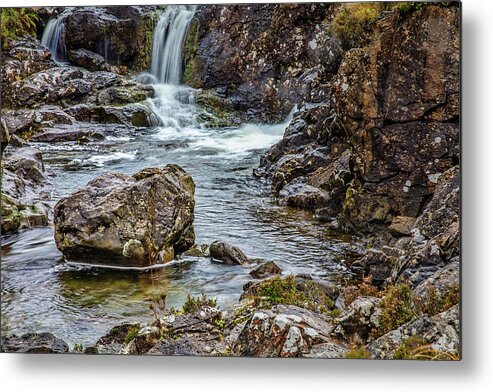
397	307
358	353
351	23
16	22
158	304
192	304
132	333
404	351
436	303
78	347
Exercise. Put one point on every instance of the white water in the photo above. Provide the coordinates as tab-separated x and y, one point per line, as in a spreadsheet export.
54	39
167	44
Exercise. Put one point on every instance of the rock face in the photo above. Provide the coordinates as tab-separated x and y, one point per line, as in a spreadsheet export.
121	35
130	221
41	343
235	51
375	126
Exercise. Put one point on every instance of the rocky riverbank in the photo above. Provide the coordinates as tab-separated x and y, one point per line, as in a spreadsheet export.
372	149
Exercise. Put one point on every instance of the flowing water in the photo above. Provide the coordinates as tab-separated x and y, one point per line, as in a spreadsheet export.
40	292
54	39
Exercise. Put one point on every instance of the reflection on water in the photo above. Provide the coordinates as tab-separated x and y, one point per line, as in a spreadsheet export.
42	293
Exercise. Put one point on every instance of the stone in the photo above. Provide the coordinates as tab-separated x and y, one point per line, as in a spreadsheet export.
88	60
228	254
128	221
283	331
359	320
402	225
42	343
265	269
442	332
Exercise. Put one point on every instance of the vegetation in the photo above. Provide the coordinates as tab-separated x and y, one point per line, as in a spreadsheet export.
278	290
16	22
358	353
397	307
351	24
436	303
417	348
78	348
132	333
192	304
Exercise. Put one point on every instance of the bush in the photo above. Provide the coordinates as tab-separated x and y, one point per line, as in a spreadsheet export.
132	334
192	304
16	22
358	353
287	291
397	307
351	24
436	303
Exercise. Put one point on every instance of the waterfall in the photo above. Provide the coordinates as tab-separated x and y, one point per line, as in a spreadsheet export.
167	44
54	38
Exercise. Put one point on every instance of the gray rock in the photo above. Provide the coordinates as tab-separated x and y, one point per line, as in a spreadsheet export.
283	331
359	319
441	331
265	269
228	254
34	343
132	221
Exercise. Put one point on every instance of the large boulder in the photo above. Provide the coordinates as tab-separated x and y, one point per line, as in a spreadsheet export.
128	221
228	254
121	35
286	331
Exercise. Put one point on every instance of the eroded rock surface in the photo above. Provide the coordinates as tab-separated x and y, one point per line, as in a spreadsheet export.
122	220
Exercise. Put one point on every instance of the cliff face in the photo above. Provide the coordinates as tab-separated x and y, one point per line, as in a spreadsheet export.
254	55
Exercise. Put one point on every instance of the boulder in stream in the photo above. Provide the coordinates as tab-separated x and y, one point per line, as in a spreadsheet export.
128	221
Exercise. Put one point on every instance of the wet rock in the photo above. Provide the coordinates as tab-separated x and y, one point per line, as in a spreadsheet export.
301	195
67	134
88	60
283	331
137	114
34	343
122	35
22	58
114	341
233	49
122	220
24	190
442	332
359	320
228	254
265	269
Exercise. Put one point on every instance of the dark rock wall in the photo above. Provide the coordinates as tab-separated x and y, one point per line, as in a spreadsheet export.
254	54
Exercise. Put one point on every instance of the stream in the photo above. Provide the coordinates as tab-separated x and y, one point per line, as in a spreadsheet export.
40	292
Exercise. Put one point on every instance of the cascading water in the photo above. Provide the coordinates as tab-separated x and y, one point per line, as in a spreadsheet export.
168	43
54	38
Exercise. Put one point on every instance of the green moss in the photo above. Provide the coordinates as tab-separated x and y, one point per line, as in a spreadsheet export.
285	290
192	304
190	56
16	22
437	303
132	334
358	353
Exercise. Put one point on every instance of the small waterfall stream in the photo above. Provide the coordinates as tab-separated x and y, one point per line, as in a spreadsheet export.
167	46
54	39
80	304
